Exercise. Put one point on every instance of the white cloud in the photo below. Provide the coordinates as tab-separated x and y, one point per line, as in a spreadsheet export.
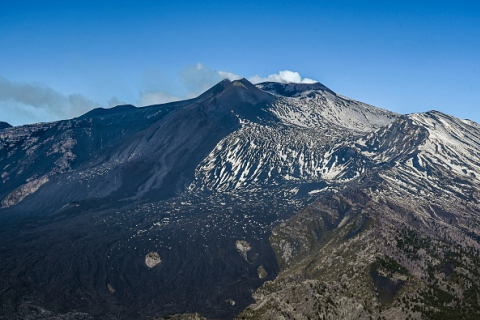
115	102
194	79
22	103
37	103
199	78
285	76
228	75
158	97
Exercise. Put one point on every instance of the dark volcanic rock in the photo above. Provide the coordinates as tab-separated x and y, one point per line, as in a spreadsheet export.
125	152
90	190
4	125
292	89
286	197
102	112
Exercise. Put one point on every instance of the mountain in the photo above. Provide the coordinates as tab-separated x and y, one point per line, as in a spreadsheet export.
259	201
400	242
4	125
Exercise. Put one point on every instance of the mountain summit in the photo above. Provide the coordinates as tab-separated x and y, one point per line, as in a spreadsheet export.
259	201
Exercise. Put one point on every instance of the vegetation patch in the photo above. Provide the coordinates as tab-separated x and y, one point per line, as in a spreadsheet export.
388	277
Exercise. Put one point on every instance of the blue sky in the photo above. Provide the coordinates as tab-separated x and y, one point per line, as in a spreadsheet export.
59	59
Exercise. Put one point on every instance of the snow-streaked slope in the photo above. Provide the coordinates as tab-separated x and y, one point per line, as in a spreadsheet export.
297	147
447	161
316	106
398	238
124	152
424	151
453	144
259	155
101	191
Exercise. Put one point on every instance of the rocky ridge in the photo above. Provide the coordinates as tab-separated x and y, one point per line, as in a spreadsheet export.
399	242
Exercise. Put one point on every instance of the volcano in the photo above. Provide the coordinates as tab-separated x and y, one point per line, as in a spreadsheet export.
258	201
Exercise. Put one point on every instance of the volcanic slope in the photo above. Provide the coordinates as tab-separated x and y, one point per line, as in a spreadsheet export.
169	209
4	125
140	212
399	242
